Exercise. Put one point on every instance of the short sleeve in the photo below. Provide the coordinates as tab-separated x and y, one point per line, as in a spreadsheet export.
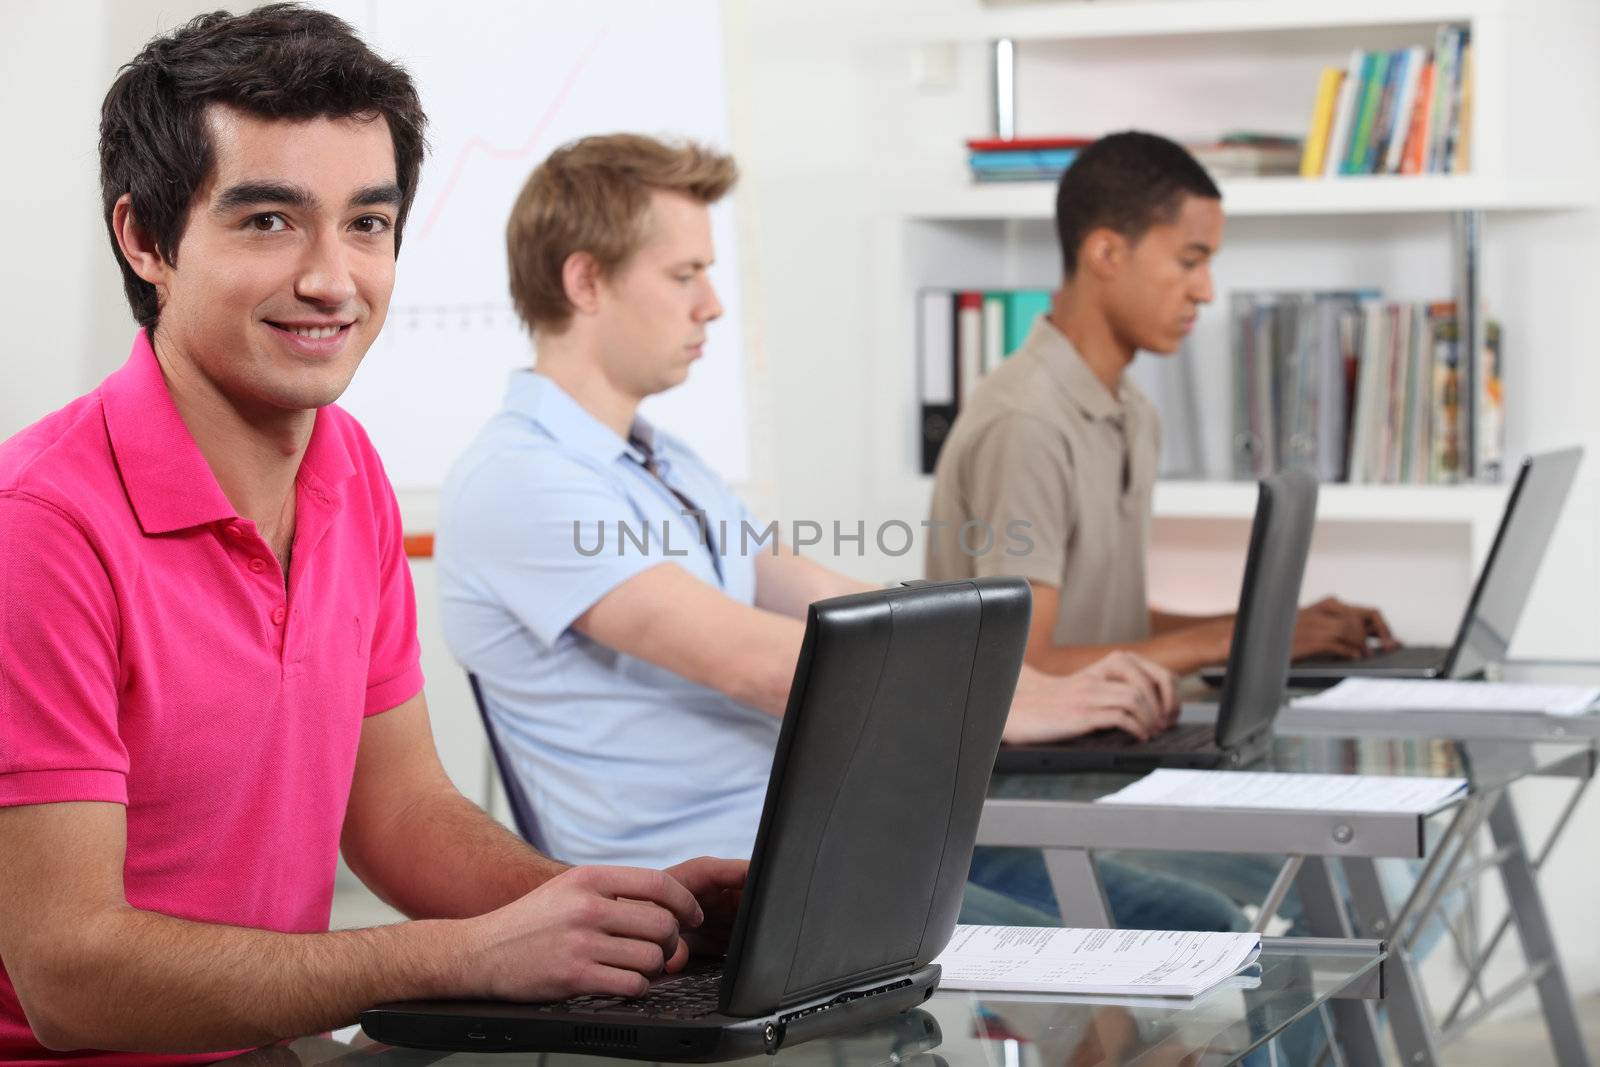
537	533
1020	479
59	666
394	671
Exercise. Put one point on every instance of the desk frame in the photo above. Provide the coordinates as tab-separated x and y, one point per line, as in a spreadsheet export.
1070	832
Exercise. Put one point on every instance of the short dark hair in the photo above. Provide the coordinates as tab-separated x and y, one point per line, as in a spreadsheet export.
1126	182
281	61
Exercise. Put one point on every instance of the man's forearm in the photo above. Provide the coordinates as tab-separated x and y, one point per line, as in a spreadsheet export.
788	583
1180	651
141	981
444	858
1162	622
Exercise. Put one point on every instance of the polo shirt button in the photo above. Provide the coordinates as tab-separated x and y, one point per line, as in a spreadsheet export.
235	530
258	565
278	615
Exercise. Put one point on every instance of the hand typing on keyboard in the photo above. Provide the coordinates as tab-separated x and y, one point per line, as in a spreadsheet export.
1334	629
591	930
1121	691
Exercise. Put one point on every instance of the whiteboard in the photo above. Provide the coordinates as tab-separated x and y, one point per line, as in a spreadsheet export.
504	84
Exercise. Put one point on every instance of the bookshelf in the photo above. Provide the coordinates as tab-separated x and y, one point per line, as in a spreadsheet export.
941	230
1165	18
1282	197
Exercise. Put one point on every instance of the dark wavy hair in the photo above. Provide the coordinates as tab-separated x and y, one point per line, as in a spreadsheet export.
1125	182
281	61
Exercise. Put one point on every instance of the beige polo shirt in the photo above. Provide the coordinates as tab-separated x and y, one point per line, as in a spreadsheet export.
1048	476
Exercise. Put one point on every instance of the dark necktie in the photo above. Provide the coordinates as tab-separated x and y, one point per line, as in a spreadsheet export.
652	466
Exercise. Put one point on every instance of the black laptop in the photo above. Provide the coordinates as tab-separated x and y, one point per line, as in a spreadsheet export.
1484	634
1258	658
898	701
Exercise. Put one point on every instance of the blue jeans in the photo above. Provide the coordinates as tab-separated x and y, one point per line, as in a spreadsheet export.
1139	899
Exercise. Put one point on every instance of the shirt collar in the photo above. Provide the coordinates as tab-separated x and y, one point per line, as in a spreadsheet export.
540	399
169	482
1075	376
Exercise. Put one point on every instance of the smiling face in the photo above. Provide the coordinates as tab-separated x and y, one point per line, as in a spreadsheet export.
283	275
651	313
1154	294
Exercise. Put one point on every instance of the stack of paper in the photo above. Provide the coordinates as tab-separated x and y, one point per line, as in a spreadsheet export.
1377	694
1292	792
1041	959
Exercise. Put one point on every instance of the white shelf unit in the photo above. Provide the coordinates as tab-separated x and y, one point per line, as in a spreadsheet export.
1284	197
1192	68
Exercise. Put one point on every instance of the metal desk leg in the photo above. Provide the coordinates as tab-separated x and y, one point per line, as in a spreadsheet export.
1079	895
1355	1021
1538	946
1409	1016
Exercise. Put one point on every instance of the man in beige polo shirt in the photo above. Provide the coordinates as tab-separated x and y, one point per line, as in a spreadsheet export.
1057	439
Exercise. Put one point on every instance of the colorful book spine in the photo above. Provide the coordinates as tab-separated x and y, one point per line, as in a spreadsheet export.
1461	125
1314	160
1414	156
1446	54
969	344
1023	308
1447	390
1374	71
1383	119
1405	102
1344	114
1489	402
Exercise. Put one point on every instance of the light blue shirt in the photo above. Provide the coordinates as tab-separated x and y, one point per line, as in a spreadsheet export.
622	761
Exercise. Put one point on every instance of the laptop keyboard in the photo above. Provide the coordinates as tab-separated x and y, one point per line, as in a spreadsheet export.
1182	739
687	996
1405	657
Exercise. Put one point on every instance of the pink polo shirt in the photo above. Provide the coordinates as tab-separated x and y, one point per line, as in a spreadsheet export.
151	657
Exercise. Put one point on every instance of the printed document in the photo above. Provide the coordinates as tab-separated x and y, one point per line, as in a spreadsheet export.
1294	792
1047	959
1378	694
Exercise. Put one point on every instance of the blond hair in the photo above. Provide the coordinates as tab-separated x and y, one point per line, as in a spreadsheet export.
593	195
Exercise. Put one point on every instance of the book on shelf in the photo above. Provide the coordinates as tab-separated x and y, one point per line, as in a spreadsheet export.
962	335
1356	388
993	159
1314	155
1407	111
1249	155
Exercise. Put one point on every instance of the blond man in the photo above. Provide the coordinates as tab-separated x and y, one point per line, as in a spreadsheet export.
637	677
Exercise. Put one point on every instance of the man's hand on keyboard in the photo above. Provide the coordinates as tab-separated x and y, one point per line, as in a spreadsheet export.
587	930
1120	691
717	885
1337	630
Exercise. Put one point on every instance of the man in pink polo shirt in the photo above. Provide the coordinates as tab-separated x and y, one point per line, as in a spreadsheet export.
209	678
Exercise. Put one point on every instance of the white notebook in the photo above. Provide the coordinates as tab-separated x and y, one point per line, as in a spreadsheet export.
1378	694
1269	790
1049	959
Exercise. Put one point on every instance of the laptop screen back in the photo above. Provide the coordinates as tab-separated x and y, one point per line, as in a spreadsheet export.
891	731
1532	511
1263	631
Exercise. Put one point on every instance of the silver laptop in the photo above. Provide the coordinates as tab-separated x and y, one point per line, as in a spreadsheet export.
1498	598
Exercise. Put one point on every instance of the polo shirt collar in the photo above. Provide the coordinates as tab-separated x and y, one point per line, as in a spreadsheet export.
1075	376
540	399
169	483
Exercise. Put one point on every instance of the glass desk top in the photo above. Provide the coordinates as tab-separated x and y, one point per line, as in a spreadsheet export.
1487	764
956	1028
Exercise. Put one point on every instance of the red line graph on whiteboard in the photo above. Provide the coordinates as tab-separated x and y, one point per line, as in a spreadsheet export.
479	144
